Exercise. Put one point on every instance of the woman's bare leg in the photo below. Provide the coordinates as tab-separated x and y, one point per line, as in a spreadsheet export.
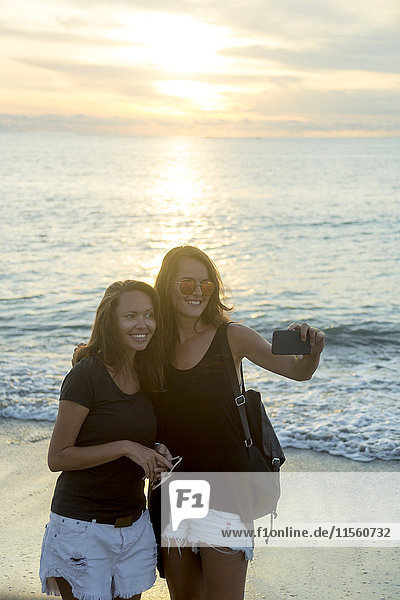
224	574
66	591
183	573
208	575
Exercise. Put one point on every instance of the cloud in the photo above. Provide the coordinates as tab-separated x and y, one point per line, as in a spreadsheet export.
192	7
60	37
202	126
330	104
294	20
128	77
378	53
89	71
290	17
286	66
129	85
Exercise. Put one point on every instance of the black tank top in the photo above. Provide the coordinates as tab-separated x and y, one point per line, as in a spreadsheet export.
197	417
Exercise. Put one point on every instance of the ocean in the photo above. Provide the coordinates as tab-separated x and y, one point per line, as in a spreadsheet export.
301	230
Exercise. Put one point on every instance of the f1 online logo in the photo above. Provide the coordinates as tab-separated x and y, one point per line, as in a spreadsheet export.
189	499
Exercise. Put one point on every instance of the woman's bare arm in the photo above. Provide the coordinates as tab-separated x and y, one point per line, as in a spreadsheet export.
63	455
245	342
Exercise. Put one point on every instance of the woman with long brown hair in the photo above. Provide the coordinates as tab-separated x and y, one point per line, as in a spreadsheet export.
195	414
99	542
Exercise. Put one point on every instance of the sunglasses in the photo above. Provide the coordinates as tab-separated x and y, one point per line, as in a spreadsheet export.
176	461
188	285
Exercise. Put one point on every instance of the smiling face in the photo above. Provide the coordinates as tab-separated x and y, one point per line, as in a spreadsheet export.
193	304
135	320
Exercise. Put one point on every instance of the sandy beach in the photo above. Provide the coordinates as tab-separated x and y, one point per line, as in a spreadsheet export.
276	573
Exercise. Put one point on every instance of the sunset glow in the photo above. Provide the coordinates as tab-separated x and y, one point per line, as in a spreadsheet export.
173	42
263	69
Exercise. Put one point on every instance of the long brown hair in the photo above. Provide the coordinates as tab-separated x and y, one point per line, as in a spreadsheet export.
214	313
105	339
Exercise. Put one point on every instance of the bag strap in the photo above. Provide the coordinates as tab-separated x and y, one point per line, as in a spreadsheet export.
239	392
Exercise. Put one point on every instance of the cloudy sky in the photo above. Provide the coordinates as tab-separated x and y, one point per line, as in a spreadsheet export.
201	67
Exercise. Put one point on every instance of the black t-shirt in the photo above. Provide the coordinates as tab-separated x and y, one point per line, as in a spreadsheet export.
115	488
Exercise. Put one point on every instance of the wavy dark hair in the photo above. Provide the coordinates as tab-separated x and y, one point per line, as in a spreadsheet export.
214	313
105	339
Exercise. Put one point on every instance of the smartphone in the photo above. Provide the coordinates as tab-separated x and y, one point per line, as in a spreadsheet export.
287	341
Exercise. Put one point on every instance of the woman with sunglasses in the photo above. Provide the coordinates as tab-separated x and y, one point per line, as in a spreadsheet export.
99	542
195	415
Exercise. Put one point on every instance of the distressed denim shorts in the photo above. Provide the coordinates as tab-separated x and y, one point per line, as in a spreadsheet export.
99	561
222	531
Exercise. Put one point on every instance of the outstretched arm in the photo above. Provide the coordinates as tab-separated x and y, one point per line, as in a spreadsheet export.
245	342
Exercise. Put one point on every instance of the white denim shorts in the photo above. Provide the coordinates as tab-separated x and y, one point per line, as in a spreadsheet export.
99	561
218	530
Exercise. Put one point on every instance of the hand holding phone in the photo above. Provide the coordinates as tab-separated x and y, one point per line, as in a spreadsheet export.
288	341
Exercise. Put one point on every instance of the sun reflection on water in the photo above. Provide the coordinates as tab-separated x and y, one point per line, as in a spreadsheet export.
179	187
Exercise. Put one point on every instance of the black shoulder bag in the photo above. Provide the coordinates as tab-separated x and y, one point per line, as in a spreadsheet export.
264	450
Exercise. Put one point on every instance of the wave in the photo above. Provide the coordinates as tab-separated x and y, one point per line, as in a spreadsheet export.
368	334
355	429
18	298
352	446
366	337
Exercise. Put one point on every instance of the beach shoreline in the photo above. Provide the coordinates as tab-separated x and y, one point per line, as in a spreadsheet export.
276	573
